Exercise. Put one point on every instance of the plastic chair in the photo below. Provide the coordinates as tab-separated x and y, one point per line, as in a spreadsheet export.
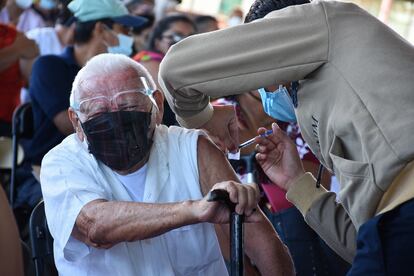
41	242
22	127
6	154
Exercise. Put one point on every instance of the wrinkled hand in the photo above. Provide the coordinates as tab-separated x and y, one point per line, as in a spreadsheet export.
279	158
26	48
246	196
223	128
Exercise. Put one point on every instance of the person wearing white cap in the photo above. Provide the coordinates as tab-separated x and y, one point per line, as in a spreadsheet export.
126	195
102	26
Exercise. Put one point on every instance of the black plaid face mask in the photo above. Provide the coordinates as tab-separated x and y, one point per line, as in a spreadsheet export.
119	139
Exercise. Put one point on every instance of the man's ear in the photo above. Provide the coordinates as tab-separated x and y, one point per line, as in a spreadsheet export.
75	123
101	30
159	99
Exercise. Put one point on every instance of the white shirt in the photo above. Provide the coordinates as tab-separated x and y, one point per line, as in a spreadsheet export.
71	177
49	44
134	183
28	20
47	40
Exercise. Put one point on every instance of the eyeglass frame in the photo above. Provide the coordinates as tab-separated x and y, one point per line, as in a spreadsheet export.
173	37
110	99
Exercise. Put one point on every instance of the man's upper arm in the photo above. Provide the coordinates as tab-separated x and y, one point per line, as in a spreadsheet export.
213	166
262	244
287	46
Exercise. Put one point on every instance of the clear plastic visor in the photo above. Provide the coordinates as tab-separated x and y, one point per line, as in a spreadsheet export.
139	99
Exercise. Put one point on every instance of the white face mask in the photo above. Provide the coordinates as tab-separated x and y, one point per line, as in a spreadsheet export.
124	46
47	4
24	4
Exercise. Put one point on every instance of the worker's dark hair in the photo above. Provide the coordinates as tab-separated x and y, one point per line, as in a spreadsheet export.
260	8
83	30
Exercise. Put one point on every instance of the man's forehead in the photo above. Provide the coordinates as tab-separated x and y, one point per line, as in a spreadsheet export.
110	86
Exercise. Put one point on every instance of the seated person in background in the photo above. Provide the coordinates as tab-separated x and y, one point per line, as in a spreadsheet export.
142	8
309	253
22	15
166	33
51	40
99	26
125	195
206	23
141	34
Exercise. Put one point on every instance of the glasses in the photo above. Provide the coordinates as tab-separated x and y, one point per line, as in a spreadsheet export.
175	37
130	100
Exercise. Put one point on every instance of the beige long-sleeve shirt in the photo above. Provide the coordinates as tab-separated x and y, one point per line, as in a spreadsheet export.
355	100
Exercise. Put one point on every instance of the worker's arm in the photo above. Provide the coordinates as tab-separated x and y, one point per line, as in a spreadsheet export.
286	45
279	159
262	244
325	215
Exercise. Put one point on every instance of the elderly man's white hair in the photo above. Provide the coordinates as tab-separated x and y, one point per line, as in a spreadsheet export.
114	72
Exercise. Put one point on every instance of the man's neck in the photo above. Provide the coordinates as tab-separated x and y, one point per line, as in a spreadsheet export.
62	34
135	167
84	52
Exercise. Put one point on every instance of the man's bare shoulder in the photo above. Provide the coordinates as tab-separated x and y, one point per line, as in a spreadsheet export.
206	146
213	165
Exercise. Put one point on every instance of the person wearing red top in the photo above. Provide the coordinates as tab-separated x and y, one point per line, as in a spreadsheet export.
14	47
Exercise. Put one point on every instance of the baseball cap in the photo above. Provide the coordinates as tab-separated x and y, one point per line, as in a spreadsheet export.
88	10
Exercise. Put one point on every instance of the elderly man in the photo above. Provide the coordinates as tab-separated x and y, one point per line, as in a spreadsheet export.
124	195
101	26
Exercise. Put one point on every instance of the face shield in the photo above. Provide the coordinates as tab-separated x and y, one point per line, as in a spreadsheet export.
112	98
118	125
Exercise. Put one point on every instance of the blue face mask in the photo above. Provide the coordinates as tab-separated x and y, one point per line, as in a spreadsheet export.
124	47
278	104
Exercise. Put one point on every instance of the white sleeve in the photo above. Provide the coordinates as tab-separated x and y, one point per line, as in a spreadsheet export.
187	145
67	185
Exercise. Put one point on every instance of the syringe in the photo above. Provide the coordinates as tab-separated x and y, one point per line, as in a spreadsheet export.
251	141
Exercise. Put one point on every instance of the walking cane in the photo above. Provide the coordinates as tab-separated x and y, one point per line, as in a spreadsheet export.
236	232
